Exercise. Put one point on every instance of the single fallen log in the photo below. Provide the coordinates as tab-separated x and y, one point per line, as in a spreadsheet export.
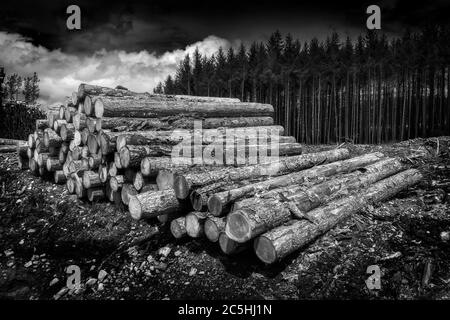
276	244
253	216
149	108
213	227
95	194
153	203
185	183
220	203
178	227
194	223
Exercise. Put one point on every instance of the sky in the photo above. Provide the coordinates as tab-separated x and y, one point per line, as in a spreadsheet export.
136	44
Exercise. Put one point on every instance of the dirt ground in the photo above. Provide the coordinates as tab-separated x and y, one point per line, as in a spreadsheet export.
43	230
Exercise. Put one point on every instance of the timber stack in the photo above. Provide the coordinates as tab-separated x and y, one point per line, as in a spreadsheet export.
216	168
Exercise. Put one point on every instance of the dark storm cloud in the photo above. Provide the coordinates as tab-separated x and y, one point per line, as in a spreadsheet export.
161	26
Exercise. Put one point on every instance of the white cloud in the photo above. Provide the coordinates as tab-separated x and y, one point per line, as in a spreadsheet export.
61	72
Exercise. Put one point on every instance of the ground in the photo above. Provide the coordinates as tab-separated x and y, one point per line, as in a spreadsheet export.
43	230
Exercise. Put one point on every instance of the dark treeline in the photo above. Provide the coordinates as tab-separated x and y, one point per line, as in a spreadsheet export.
371	90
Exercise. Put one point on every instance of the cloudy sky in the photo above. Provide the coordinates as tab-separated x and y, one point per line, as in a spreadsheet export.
138	43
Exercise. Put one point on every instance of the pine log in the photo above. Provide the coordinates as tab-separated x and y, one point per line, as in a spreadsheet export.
67	132
41	124
103	173
165	179
177	122
112	170
95	160
199	197
213	227
95	194
31	141
127	192
62	111
91	124
140	181
274	245
194	223
42	159
92	143
69	113
185	183
116	183
51	138
79	121
178	227
153	203
59	177
70	186
53	164
57	125
190	137
74	98
52	117
34	167
149	108
220	203
149	187
117	161
78	165
23	163
84	136
131	156
91	179
85	152
150	166
229	246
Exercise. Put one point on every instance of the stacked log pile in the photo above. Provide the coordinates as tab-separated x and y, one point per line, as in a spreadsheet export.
117	145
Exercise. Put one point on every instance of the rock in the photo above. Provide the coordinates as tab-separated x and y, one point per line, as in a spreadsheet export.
164	251
192	272
445	236
102	275
54	281
91	282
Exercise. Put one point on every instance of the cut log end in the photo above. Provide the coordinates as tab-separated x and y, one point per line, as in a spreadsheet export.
238	227
215	206
196	201
98	108
265	250
194	228
211	231
124	157
135	208
181	187
177	227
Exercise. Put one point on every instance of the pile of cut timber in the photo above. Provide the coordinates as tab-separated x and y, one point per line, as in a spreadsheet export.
118	145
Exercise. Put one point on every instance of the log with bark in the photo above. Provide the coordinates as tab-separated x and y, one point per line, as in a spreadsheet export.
69	114
253	216
149	108
140	181
131	156
178	227
58	124
220	203
154	203
79	121
185	183
67	132
59	177
229	246
51	138
127	193
116	182
53	164
277	243
91	179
